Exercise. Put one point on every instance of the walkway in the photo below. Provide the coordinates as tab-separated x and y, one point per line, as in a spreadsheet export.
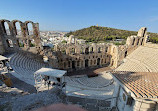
90	72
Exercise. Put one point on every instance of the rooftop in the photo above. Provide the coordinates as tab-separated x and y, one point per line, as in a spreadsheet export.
51	72
2	58
142	84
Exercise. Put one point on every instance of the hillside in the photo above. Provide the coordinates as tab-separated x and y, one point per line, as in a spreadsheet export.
97	33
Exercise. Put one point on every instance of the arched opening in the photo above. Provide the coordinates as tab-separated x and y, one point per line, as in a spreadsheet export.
112	63
78	63
64	65
9	42
73	65
30	28
91	50
114	50
17	27
99	50
144	32
86	62
63	51
133	41
105	61
32	43
142	42
72	51
81	63
87	50
125	54
91	62
138	42
106	49
102	61
98	61
6	28
68	63
45	59
81	51
20	42
94	61
18	32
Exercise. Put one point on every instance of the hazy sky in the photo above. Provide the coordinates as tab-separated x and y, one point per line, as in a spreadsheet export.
66	15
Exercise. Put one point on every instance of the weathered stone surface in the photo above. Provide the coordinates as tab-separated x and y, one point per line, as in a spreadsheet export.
67	56
103	103
12	41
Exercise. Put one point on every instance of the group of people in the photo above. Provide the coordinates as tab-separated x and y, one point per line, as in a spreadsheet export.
57	82
4	66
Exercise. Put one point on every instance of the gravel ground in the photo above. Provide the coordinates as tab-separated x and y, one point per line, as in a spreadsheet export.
23	96
17	83
18	101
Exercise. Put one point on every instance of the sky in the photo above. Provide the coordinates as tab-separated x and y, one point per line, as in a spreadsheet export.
70	15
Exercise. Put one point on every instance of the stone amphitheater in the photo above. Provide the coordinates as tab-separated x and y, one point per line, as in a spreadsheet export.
143	59
97	93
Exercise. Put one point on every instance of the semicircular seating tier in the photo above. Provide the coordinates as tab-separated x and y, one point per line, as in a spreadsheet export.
97	83
143	59
25	67
101	86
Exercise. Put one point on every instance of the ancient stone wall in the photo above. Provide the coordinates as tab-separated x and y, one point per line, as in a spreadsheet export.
132	43
80	56
11	41
66	56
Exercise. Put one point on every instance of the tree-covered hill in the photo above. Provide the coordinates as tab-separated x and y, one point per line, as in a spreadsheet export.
97	33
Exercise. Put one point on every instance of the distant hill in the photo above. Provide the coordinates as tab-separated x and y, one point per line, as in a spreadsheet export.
97	33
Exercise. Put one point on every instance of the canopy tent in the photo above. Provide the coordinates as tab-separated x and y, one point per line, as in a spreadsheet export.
51	72
2	58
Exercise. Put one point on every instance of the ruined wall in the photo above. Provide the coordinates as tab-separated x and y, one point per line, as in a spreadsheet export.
2	48
10	41
80	56
132	43
66	56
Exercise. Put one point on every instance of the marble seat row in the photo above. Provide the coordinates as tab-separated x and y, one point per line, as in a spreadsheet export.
25	62
95	83
25	67
143	59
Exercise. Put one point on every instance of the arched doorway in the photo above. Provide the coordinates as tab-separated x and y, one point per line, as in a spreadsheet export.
87	50
9	42
112	63
45	59
6	28
86	62
98	61
133	41
144	32
91	50
138	41
99	50
142	42
29	28
125	54
73	65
